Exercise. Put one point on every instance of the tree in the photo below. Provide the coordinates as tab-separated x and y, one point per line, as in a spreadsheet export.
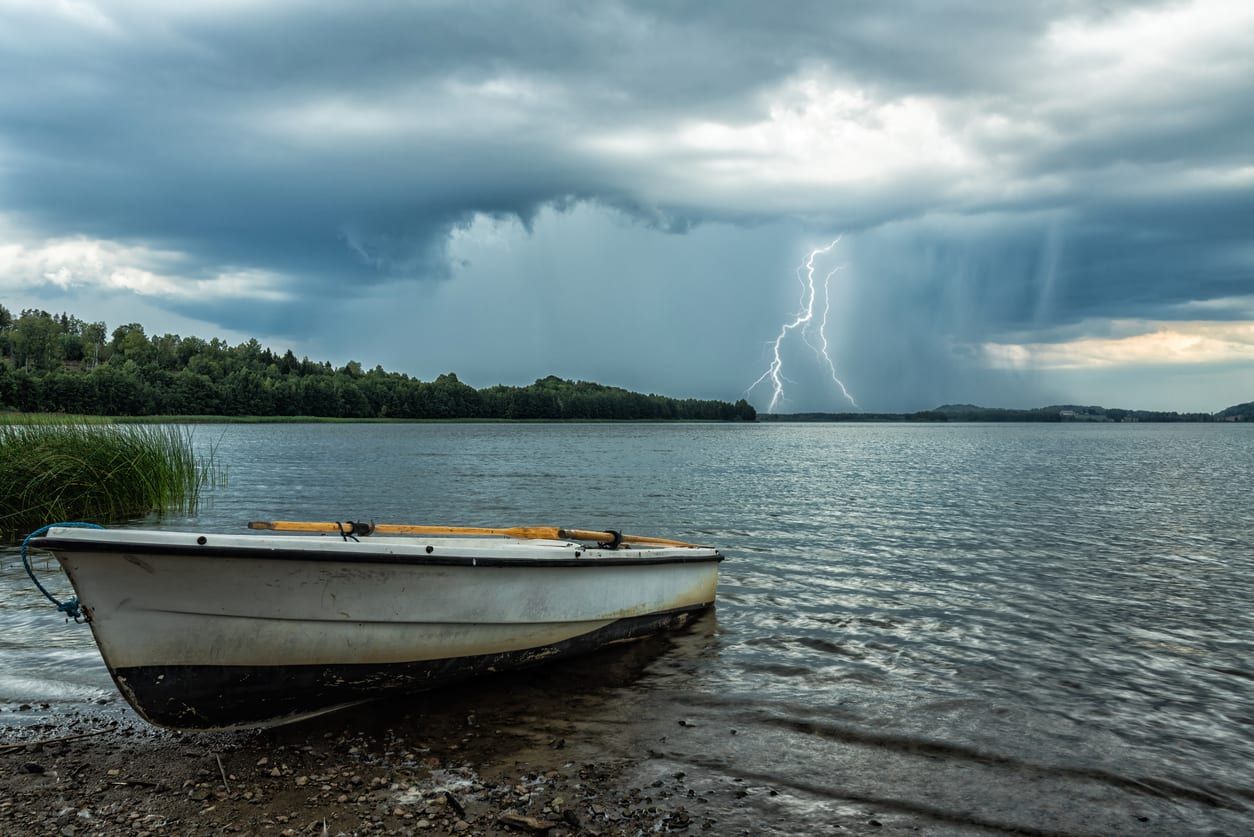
71	346
244	393
119	390
27	391
318	396
37	341
130	343
191	394
93	344
68	392
353	404
165	352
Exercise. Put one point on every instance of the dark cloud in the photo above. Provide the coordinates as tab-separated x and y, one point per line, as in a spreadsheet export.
1059	181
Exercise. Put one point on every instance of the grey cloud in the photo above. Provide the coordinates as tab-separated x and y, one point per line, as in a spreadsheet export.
162	115
183	130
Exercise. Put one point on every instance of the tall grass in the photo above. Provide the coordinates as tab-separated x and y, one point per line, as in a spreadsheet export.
55	469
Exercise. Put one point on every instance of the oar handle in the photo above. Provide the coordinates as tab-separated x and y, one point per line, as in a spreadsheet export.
602	537
552	533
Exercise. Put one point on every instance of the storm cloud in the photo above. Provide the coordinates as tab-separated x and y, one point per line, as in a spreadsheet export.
464	186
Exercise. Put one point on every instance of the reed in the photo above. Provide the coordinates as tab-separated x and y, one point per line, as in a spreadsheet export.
79	468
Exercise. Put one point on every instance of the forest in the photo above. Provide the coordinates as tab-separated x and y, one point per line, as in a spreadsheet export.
62	364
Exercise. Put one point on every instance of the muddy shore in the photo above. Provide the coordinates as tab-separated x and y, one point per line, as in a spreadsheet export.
135	780
598	745
533	752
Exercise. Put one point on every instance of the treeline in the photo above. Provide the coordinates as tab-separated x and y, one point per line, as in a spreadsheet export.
61	364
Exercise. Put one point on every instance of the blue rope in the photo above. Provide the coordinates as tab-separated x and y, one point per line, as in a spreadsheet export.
70	607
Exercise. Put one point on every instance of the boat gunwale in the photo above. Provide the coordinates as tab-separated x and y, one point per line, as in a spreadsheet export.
357	556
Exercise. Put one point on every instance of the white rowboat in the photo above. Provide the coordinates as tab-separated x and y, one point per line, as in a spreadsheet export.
207	630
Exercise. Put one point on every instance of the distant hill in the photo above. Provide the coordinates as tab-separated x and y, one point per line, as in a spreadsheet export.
1241	412
971	412
1052	413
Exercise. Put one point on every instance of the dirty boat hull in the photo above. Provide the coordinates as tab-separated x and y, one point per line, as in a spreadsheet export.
254	631
209	697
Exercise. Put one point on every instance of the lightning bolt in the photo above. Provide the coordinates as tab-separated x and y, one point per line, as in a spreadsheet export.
827	358
804	320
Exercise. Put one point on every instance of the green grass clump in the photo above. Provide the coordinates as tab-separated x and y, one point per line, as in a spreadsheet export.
83	469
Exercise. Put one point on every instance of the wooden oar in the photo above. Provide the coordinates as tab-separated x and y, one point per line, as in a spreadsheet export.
551	533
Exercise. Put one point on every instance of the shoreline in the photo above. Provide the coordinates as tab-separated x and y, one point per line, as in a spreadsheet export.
136	779
16	418
19	418
600	745
502	755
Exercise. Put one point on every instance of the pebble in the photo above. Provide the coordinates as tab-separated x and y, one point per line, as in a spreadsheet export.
386	785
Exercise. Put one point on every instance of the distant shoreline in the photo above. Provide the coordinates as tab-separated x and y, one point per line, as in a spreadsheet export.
927	417
18	417
1064	413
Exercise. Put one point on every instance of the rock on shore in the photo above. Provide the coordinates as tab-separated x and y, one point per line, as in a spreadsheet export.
122	777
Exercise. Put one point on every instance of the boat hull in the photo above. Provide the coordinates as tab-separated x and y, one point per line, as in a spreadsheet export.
223	697
257	631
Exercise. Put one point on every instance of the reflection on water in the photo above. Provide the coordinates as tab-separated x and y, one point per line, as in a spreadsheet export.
586	692
1043	629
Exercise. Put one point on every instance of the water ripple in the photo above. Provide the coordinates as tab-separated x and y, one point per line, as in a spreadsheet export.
1038	629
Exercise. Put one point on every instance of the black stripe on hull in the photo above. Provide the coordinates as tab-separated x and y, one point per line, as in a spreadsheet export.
215	697
69	547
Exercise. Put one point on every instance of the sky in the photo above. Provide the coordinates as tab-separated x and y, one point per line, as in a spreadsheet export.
1031	203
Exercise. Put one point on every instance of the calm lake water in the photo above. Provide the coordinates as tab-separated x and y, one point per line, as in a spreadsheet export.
1045	628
